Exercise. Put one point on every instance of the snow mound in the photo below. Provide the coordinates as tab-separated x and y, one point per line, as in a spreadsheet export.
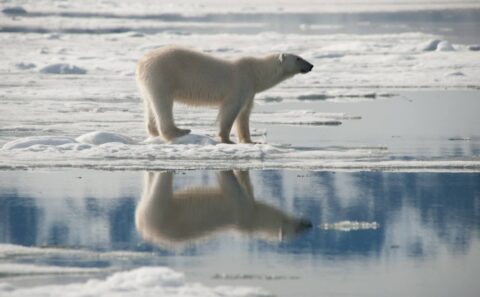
430	45
144	281
445	46
37	140
62	68
437	45
101	137
347	226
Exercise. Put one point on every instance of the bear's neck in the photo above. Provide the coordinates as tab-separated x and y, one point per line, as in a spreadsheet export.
266	72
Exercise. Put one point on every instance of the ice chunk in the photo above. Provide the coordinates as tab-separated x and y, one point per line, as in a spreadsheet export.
37	140
350	226
101	137
62	68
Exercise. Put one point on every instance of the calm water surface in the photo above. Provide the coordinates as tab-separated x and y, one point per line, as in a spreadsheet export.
257	228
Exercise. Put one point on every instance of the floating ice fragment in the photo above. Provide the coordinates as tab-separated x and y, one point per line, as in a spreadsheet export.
37	140
62	68
350	226
100	137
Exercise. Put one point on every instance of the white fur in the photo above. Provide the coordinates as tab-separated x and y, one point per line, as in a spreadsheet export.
177	74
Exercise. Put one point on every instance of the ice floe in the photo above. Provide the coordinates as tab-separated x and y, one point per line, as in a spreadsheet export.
202	152
189	151
350	226
144	281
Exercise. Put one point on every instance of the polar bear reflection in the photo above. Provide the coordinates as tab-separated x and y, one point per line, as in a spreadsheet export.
166	218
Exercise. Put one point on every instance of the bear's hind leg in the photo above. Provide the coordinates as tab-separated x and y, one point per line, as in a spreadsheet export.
163	110
150	122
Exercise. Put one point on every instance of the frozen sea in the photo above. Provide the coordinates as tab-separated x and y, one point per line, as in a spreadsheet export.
365	180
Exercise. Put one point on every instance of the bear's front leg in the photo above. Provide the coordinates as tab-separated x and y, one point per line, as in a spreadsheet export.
227	115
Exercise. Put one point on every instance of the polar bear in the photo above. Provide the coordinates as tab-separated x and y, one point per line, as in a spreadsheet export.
169	217
175	74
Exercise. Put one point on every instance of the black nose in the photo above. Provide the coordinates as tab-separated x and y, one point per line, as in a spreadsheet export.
307	68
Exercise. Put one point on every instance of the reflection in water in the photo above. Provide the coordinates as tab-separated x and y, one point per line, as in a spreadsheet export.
165	217
419	214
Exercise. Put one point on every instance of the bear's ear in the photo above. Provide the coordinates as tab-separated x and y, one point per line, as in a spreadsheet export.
281	57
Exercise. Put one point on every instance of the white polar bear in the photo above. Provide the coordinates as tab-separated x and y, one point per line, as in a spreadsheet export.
177	74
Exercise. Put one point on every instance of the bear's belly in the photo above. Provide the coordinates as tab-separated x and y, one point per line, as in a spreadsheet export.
198	98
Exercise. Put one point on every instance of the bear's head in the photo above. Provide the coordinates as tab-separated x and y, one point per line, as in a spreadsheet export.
293	64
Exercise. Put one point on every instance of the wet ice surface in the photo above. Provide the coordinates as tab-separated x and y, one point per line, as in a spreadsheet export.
432	131
246	230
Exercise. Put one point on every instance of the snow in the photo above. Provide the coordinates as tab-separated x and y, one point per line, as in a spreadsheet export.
194	139
144	281
37	140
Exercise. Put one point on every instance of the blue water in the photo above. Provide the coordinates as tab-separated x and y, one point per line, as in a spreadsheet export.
256	223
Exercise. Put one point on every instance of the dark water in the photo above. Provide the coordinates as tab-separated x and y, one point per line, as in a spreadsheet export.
260	227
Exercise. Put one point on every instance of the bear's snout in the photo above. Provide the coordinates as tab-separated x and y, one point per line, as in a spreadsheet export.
307	68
